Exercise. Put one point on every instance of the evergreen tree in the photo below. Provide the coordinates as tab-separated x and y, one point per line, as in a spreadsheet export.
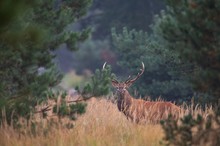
163	76
99	84
191	28
27	41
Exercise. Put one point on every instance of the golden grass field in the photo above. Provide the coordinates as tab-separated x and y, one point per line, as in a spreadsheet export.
101	125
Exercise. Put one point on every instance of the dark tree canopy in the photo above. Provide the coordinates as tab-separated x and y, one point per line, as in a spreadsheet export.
133	14
191	28
29	33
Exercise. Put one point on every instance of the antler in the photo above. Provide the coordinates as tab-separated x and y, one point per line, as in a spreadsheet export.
103	67
129	80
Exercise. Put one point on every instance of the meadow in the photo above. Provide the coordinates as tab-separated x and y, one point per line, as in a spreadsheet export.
102	124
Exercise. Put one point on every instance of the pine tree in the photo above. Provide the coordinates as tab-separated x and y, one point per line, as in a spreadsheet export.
191	28
27	40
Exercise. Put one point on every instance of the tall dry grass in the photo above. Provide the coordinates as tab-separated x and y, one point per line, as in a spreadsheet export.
102	124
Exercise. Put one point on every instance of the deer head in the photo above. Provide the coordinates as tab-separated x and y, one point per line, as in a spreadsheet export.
122	87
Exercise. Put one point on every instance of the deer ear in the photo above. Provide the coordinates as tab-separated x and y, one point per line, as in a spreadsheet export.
114	83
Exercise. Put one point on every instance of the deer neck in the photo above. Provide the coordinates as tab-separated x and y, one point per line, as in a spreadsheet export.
124	100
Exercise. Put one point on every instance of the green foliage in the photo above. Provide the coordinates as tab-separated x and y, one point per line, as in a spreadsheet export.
78	108
64	109
99	84
192	131
61	109
10	9
191	28
27	40
56	15
165	75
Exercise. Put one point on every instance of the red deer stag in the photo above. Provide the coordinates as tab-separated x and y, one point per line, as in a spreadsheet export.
139	110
